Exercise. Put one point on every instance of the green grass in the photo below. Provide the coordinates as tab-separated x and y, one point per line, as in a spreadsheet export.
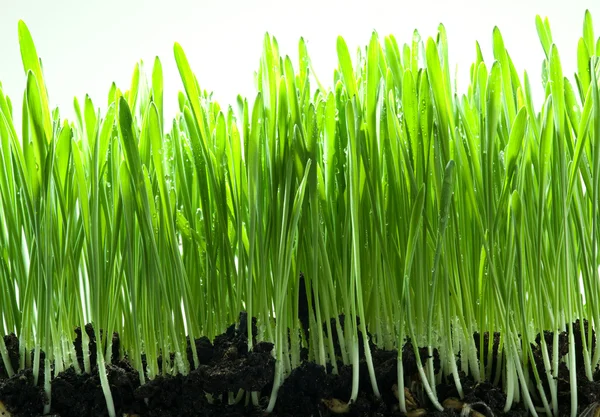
428	213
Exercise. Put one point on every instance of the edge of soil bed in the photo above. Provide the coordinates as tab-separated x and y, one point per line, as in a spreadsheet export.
310	390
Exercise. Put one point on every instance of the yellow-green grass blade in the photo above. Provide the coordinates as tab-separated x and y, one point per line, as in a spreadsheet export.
583	68
543	30
345	63
515	143
34	105
582	137
157	89
557	89
439	87
31	62
502	56
410	106
373	76
588	32
393	58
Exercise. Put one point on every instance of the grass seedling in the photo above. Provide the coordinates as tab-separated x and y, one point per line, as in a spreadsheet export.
388	212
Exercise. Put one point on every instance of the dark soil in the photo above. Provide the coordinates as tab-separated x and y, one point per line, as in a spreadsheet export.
81	395
89	330
12	345
588	392
303	314
227	366
20	397
486	348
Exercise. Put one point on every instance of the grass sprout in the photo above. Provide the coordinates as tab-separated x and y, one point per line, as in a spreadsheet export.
461	229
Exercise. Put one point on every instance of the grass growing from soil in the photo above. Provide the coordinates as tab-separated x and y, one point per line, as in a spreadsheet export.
425	213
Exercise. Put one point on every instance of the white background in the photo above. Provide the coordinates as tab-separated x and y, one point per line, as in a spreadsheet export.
86	45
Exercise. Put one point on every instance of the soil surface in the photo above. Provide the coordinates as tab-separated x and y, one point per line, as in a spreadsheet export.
226	367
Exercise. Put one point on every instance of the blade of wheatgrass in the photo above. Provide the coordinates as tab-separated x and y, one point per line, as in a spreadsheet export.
157	90
392	54
270	72
583	68
544	34
312	222
345	63
545	145
416	220
588	31
373	77
31	62
557	89
411	120
332	167
354	181
501	55
254	191
42	231
444	204
154	132
13	270
519	289
48	335
132	94
596	175
330	144
442	44
439	89
285	253
303	54
89	207
515	144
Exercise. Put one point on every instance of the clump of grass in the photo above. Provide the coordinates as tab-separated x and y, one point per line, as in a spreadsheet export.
428	214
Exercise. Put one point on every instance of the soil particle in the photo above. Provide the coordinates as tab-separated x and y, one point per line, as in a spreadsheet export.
486	393
302	391
486	349
231	367
303	310
563	343
164	395
234	338
249	371
76	395
20	397
386	372
409	359
12	346
204	349
89	330
577	329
